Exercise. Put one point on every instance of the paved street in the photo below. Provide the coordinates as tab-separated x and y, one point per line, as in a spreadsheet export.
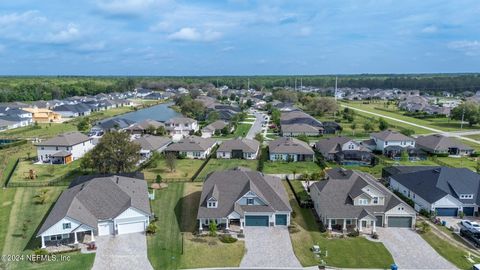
128	251
257	125
269	247
410	251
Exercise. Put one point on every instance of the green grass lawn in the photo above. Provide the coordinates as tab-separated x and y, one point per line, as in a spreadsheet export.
462	162
450	252
45	172
43	130
225	164
279	167
344	253
184	170
241	131
176	207
9	156
299	190
76	261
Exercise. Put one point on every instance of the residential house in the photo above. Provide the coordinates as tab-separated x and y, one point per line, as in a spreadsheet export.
344	150
113	124
143	126
240	148
443	190
290	149
142	92
214	128
44	115
390	143
240	198
193	147
6	124
73	110
350	200
151	144
295	123
21	117
64	148
331	127
439	144
113	205
179	127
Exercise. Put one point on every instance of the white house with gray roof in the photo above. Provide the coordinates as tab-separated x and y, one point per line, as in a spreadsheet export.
240	148
241	197
290	149
64	148
179	127
382	141
214	128
110	205
193	147
352	200
150	144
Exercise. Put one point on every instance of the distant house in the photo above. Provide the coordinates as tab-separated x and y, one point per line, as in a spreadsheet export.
240	148
243	198
290	149
390	143
344	151
331	127
43	115
151	144
73	110
181	126
214	128
439	144
143	126
19	116
6	124
142	92
294	123
113	124
64	148
113	205
193	147
350	200
443	190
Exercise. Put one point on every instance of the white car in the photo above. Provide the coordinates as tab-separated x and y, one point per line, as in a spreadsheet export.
471	225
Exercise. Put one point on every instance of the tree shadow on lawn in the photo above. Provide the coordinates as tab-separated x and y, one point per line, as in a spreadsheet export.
186	211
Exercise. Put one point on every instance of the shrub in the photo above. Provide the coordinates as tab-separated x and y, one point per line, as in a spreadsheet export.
354	233
158	179
293	228
241	235
228	239
424	212
375	235
441	155
151	228
212	228
424	227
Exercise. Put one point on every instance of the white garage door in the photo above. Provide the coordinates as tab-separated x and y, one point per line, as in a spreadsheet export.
131	227
105	228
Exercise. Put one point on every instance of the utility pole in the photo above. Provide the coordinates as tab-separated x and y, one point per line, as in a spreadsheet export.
463	115
295	84
336	80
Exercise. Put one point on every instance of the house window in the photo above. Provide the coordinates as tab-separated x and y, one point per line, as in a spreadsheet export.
362	201
67	225
249	201
349	221
56	148
212	205
375	200
386	143
66	235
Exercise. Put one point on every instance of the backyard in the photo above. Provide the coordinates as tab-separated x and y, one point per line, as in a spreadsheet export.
225	164
45	172
279	167
176	206
240	131
184	169
349	252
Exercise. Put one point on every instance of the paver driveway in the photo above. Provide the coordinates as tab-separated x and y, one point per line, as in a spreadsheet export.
268	247
410	251
128	251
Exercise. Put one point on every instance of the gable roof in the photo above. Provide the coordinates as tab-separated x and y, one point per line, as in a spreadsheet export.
115	123
388	135
289	145
66	139
231	185
437	142
246	145
191	143
180	120
217	125
152	143
330	145
100	198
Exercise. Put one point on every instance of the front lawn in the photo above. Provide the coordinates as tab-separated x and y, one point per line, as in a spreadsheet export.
349	252
176	206
45	172
280	167
225	164
184	169
76	261
240	131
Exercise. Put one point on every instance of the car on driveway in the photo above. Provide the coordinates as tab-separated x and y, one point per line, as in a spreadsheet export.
470	225
472	236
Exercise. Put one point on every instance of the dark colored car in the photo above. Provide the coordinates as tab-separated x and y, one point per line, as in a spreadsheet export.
472	236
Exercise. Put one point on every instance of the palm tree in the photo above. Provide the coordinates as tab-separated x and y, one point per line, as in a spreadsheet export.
294	172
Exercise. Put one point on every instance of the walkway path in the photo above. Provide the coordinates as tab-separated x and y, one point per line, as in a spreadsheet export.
450	134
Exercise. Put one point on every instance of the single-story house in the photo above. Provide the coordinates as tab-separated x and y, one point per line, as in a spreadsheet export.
439	144
112	205
214	128
350	200
296	122
113	124
290	149
73	110
445	191
151	144
64	148
143	126
241	148
193	147
240	197
344	151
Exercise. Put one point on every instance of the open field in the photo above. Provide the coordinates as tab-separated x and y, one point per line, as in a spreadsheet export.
355	252
184	169
43	130
225	164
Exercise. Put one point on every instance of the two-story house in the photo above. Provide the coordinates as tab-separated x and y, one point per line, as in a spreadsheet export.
64	148
240	197
344	150
350	200
390	143
179	127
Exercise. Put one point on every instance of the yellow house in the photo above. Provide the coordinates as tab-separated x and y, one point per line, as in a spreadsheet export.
43	115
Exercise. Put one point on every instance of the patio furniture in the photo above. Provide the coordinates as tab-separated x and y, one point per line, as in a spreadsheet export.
91	246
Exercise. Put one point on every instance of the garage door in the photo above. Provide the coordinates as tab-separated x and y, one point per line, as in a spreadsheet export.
105	228
281	219
447	212
400	222
256	221
131	227
379	221
468	211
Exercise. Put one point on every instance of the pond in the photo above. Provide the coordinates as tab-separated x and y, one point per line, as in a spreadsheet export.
161	112
6	141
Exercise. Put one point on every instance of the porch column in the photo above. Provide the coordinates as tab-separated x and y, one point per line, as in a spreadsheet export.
241	224
43	241
226	224
344	224
200	224
359	225
374	227
93	237
75	236
329	224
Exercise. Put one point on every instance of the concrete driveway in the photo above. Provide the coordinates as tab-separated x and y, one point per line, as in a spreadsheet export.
120	252
410	251
269	247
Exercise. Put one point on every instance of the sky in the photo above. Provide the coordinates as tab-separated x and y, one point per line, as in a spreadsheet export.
238	37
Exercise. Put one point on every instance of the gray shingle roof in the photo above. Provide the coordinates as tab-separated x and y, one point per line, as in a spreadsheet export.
437	142
388	135
100	198
180	120
231	185
289	145
217	125
152	143
66	139
333	145
246	145
191	143
145	124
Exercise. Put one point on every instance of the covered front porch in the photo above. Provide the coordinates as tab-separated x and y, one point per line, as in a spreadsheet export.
228	224
66	241
364	225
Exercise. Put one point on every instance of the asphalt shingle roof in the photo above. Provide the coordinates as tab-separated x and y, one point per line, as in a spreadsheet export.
66	139
437	142
246	145
191	143
289	145
152	143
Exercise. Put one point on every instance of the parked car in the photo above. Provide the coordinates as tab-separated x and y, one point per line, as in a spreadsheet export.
471	225
472	236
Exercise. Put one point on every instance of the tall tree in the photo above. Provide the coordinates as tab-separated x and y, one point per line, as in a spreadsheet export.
383	124
171	161
468	111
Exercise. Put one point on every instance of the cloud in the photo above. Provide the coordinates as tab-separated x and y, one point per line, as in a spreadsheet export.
469	47
430	29
31	17
67	35
91	47
192	34
129	7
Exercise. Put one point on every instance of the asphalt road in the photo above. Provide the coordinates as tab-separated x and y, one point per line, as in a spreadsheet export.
257	125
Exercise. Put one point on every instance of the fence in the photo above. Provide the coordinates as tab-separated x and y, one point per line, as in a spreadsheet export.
195	175
11	172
